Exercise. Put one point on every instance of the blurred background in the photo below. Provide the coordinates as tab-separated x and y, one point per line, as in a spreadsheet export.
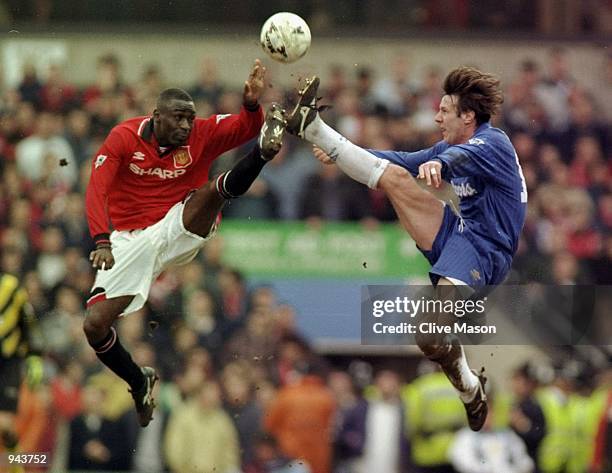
264	326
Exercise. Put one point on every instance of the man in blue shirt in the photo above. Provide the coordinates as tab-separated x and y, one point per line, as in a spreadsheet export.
472	249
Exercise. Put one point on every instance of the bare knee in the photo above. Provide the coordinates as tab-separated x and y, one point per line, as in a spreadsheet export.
395	176
95	326
201	210
100	317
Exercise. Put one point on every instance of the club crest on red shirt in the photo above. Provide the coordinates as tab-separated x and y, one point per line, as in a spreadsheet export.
182	158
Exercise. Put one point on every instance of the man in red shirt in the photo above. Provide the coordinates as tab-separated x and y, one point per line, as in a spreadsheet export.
150	180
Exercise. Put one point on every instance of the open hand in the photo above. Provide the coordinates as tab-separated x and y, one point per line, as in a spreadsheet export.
431	171
254	85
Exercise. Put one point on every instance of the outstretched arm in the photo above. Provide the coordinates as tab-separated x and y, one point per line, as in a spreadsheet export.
224	132
254	85
419	163
411	161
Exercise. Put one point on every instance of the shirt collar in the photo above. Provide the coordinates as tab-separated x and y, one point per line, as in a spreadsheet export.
147	134
147	131
483	126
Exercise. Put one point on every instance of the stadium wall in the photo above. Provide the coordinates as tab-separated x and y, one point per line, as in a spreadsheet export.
78	52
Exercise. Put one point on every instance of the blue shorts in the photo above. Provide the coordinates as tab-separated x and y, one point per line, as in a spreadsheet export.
462	256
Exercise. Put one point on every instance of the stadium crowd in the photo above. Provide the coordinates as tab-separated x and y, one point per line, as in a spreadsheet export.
572	17
241	390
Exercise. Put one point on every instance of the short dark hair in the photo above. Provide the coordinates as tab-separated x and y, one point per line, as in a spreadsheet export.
174	93
529	65
476	91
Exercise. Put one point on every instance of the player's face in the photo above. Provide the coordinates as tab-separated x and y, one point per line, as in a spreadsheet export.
453	126
174	122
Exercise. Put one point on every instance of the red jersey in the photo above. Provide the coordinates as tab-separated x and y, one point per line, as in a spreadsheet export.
134	182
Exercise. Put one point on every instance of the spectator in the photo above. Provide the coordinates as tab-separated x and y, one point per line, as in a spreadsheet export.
43	151
148	454
350	422
268	458
34	421
364	81
244	409
97	443
526	416
259	203
233	299
57	95
331	195
384	446
285	175
61	324
525	111
583	121
292	352
208	87
201	316
428	100
256	340
489	451
336	82
36	293
602	456
149	86
70	221
108	81
78	135
435	415
394	93
602	266
197	369
201	436
30	86
67	391
301	417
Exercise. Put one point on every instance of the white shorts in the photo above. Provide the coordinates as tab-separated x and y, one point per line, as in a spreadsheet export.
142	255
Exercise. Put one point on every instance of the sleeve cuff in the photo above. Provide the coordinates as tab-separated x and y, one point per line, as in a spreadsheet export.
102	239
253	107
441	162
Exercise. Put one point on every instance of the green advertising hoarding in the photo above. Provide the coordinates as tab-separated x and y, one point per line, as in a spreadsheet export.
338	250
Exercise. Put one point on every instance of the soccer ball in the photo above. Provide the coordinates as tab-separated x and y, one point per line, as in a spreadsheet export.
285	37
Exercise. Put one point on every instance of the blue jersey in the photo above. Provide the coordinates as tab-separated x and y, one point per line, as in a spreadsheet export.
487	178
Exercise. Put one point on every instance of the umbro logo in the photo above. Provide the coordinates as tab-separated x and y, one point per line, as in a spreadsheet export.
476	141
138	156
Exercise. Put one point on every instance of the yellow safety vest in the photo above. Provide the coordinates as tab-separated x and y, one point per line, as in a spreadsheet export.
434	413
585	413
555	450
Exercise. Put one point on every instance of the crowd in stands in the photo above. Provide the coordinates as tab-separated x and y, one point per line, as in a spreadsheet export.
571	18
240	389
